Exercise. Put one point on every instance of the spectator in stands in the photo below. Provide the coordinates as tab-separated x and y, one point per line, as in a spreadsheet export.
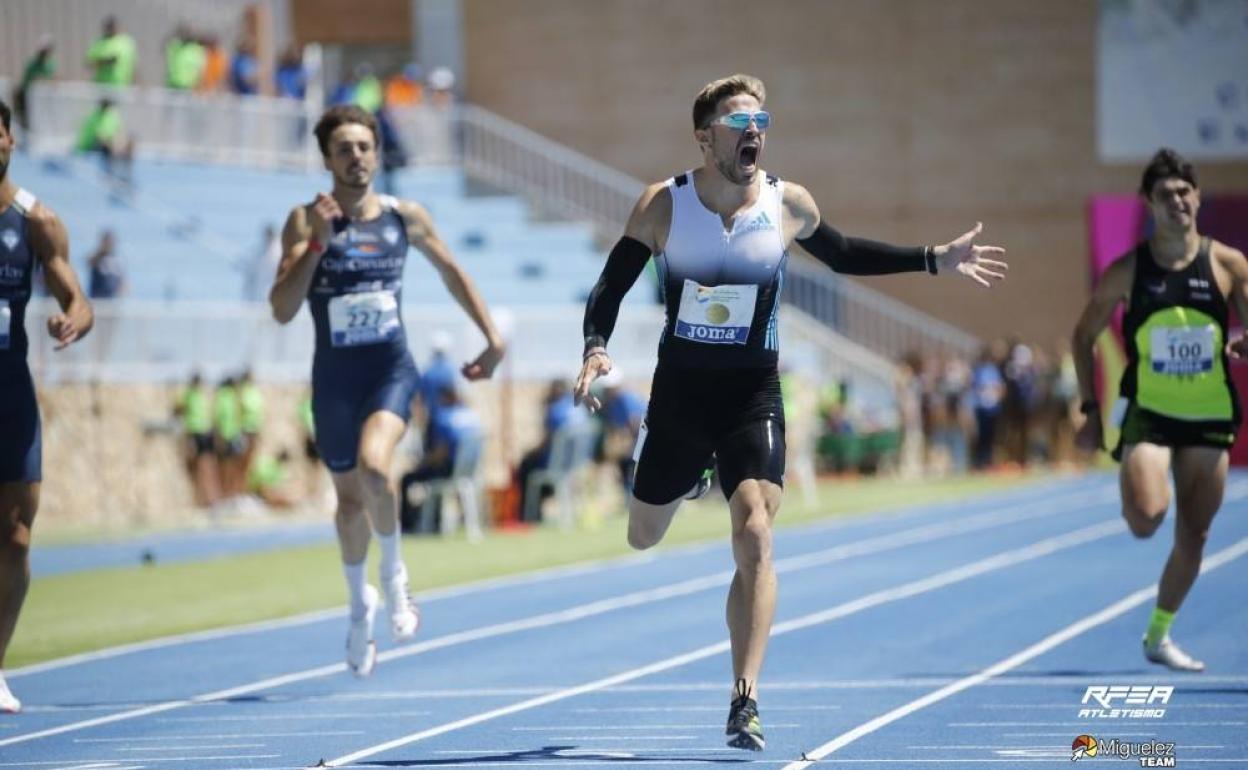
216	65
185	59
453	423
404	88
622	414
560	413
945	387
393	155
909	393
106	281
442	86
112	56
1021	389
251	417
245	69
102	132
41	66
193	409
268	479
1064	405
368	94
307	426
259	269
440	373
228	428
290	80
987	395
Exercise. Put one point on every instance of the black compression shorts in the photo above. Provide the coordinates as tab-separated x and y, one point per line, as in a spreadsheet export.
735	414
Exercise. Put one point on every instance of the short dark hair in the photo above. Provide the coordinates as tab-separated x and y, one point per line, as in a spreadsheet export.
713	93
340	116
6	115
1166	163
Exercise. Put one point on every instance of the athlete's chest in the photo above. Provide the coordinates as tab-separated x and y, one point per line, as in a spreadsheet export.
749	248
16	257
373	252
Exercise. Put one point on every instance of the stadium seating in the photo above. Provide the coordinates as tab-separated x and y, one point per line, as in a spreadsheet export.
191	232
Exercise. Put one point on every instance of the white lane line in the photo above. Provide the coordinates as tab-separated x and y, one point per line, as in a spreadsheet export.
1066	734
110	763
1120	607
295	717
617	737
611	728
999	561
214	736
577	569
1097	724
193	748
771	708
1175	706
580	612
1064	680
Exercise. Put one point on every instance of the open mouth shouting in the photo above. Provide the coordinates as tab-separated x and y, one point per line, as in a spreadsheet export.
747	155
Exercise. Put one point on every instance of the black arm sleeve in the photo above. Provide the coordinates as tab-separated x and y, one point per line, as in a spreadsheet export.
858	256
625	263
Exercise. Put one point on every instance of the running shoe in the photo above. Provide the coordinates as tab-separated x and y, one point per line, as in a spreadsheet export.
8	703
361	647
404	614
744	730
1168	654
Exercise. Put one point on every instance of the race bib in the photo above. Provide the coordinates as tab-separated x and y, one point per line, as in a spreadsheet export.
363	319
6	323
718	315
1182	351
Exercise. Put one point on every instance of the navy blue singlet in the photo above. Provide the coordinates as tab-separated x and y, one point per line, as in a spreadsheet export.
362	364
20	440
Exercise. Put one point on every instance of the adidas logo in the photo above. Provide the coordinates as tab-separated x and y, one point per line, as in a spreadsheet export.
760	222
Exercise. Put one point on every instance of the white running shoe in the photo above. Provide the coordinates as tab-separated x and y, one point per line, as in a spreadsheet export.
8	703
404	614
361	647
1168	654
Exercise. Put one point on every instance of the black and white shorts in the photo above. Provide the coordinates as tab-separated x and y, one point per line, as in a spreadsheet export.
737	415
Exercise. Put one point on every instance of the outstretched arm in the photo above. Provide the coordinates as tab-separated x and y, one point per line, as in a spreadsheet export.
625	263
859	256
51	245
422	235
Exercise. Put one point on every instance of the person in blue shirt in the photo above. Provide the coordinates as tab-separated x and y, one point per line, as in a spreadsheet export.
622	414
439	374
245	70
987	393
453	423
560	411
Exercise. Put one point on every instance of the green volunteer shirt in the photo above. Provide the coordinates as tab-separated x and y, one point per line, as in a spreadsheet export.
120	49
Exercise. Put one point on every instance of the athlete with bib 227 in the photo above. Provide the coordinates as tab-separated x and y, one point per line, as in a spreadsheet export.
1181	413
345	253
31	234
720	235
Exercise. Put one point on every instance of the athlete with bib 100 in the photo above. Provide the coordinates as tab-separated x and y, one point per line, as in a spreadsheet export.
720	235
1180	413
345	253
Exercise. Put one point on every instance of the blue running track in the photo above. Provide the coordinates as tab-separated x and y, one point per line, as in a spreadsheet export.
954	635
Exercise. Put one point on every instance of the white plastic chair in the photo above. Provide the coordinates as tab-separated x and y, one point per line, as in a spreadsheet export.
465	480
571	449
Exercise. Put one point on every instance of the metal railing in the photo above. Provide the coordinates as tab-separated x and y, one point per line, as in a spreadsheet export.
141	341
256	131
266	132
871	318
